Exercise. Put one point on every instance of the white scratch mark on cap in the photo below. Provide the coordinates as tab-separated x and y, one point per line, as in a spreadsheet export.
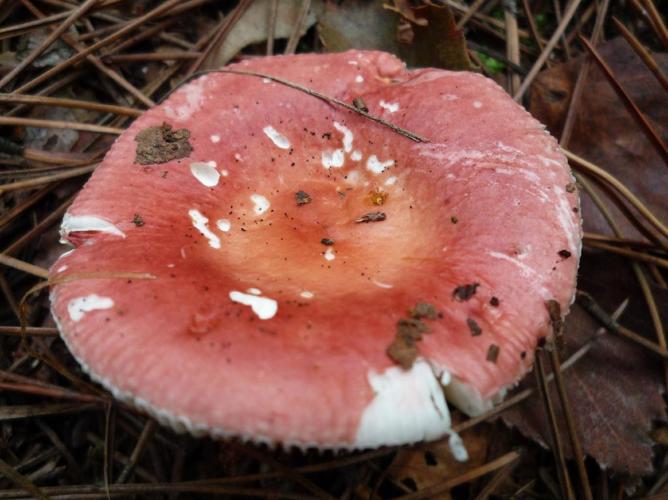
224	225
276	137
80	223
347	136
77	308
201	224
306	294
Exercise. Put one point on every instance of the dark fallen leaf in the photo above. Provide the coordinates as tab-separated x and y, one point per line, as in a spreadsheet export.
604	132
368	24
616	389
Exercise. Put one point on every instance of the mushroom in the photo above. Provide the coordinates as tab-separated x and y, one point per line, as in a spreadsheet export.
252	327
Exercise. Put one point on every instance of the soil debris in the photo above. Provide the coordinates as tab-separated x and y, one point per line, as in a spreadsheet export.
327	242
162	144
359	103
371	217
138	220
378	196
423	310
464	292
474	327
493	353
302	198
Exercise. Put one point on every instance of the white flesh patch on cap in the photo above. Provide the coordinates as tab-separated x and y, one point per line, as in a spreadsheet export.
263	307
347	136
306	294
329	254
565	218
260	203
215	138
205	172
477	104
62	268
376	166
201	224
356	155
392	107
254	291
380	284
408	407
276	137
78	223
391	181
80	306
359	78
334	158
224	225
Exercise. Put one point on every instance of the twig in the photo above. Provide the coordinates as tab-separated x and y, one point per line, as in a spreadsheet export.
639	256
26	267
597	171
271	26
69	103
46	331
657	22
578	454
568	15
38	181
21	481
532	25
583	74
55	34
296	30
469	13
597	312
643	53
633	109
496	481
432	491
224	29
34	122
512	43
144	438
557	446
152	56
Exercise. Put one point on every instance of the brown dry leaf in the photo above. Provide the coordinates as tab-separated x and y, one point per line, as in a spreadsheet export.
604	132
433	463
253	26
616	389
368	24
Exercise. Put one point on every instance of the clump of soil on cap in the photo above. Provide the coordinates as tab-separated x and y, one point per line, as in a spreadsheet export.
162	144
404	350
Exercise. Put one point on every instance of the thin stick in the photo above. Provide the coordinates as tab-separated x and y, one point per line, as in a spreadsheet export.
583	74
38	181
225	27
139	21
34	122
55	34
152	56
19	29
512	43
597	312
271	26
532	25
26	267
626	99
568	15
496	481
657	22
597	171
437	489
639	256
144	438
643	53
469	13
291	46
68	103
46	331
578	454
557	446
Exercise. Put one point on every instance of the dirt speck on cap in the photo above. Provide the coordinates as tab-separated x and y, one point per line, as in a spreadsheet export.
493	353
371	217
465	292
423	310
474	327
403	351
162	144
302	198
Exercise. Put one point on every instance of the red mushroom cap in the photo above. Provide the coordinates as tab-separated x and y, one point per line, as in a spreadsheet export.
320	279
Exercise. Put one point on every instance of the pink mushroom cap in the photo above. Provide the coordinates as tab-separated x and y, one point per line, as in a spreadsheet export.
272	301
